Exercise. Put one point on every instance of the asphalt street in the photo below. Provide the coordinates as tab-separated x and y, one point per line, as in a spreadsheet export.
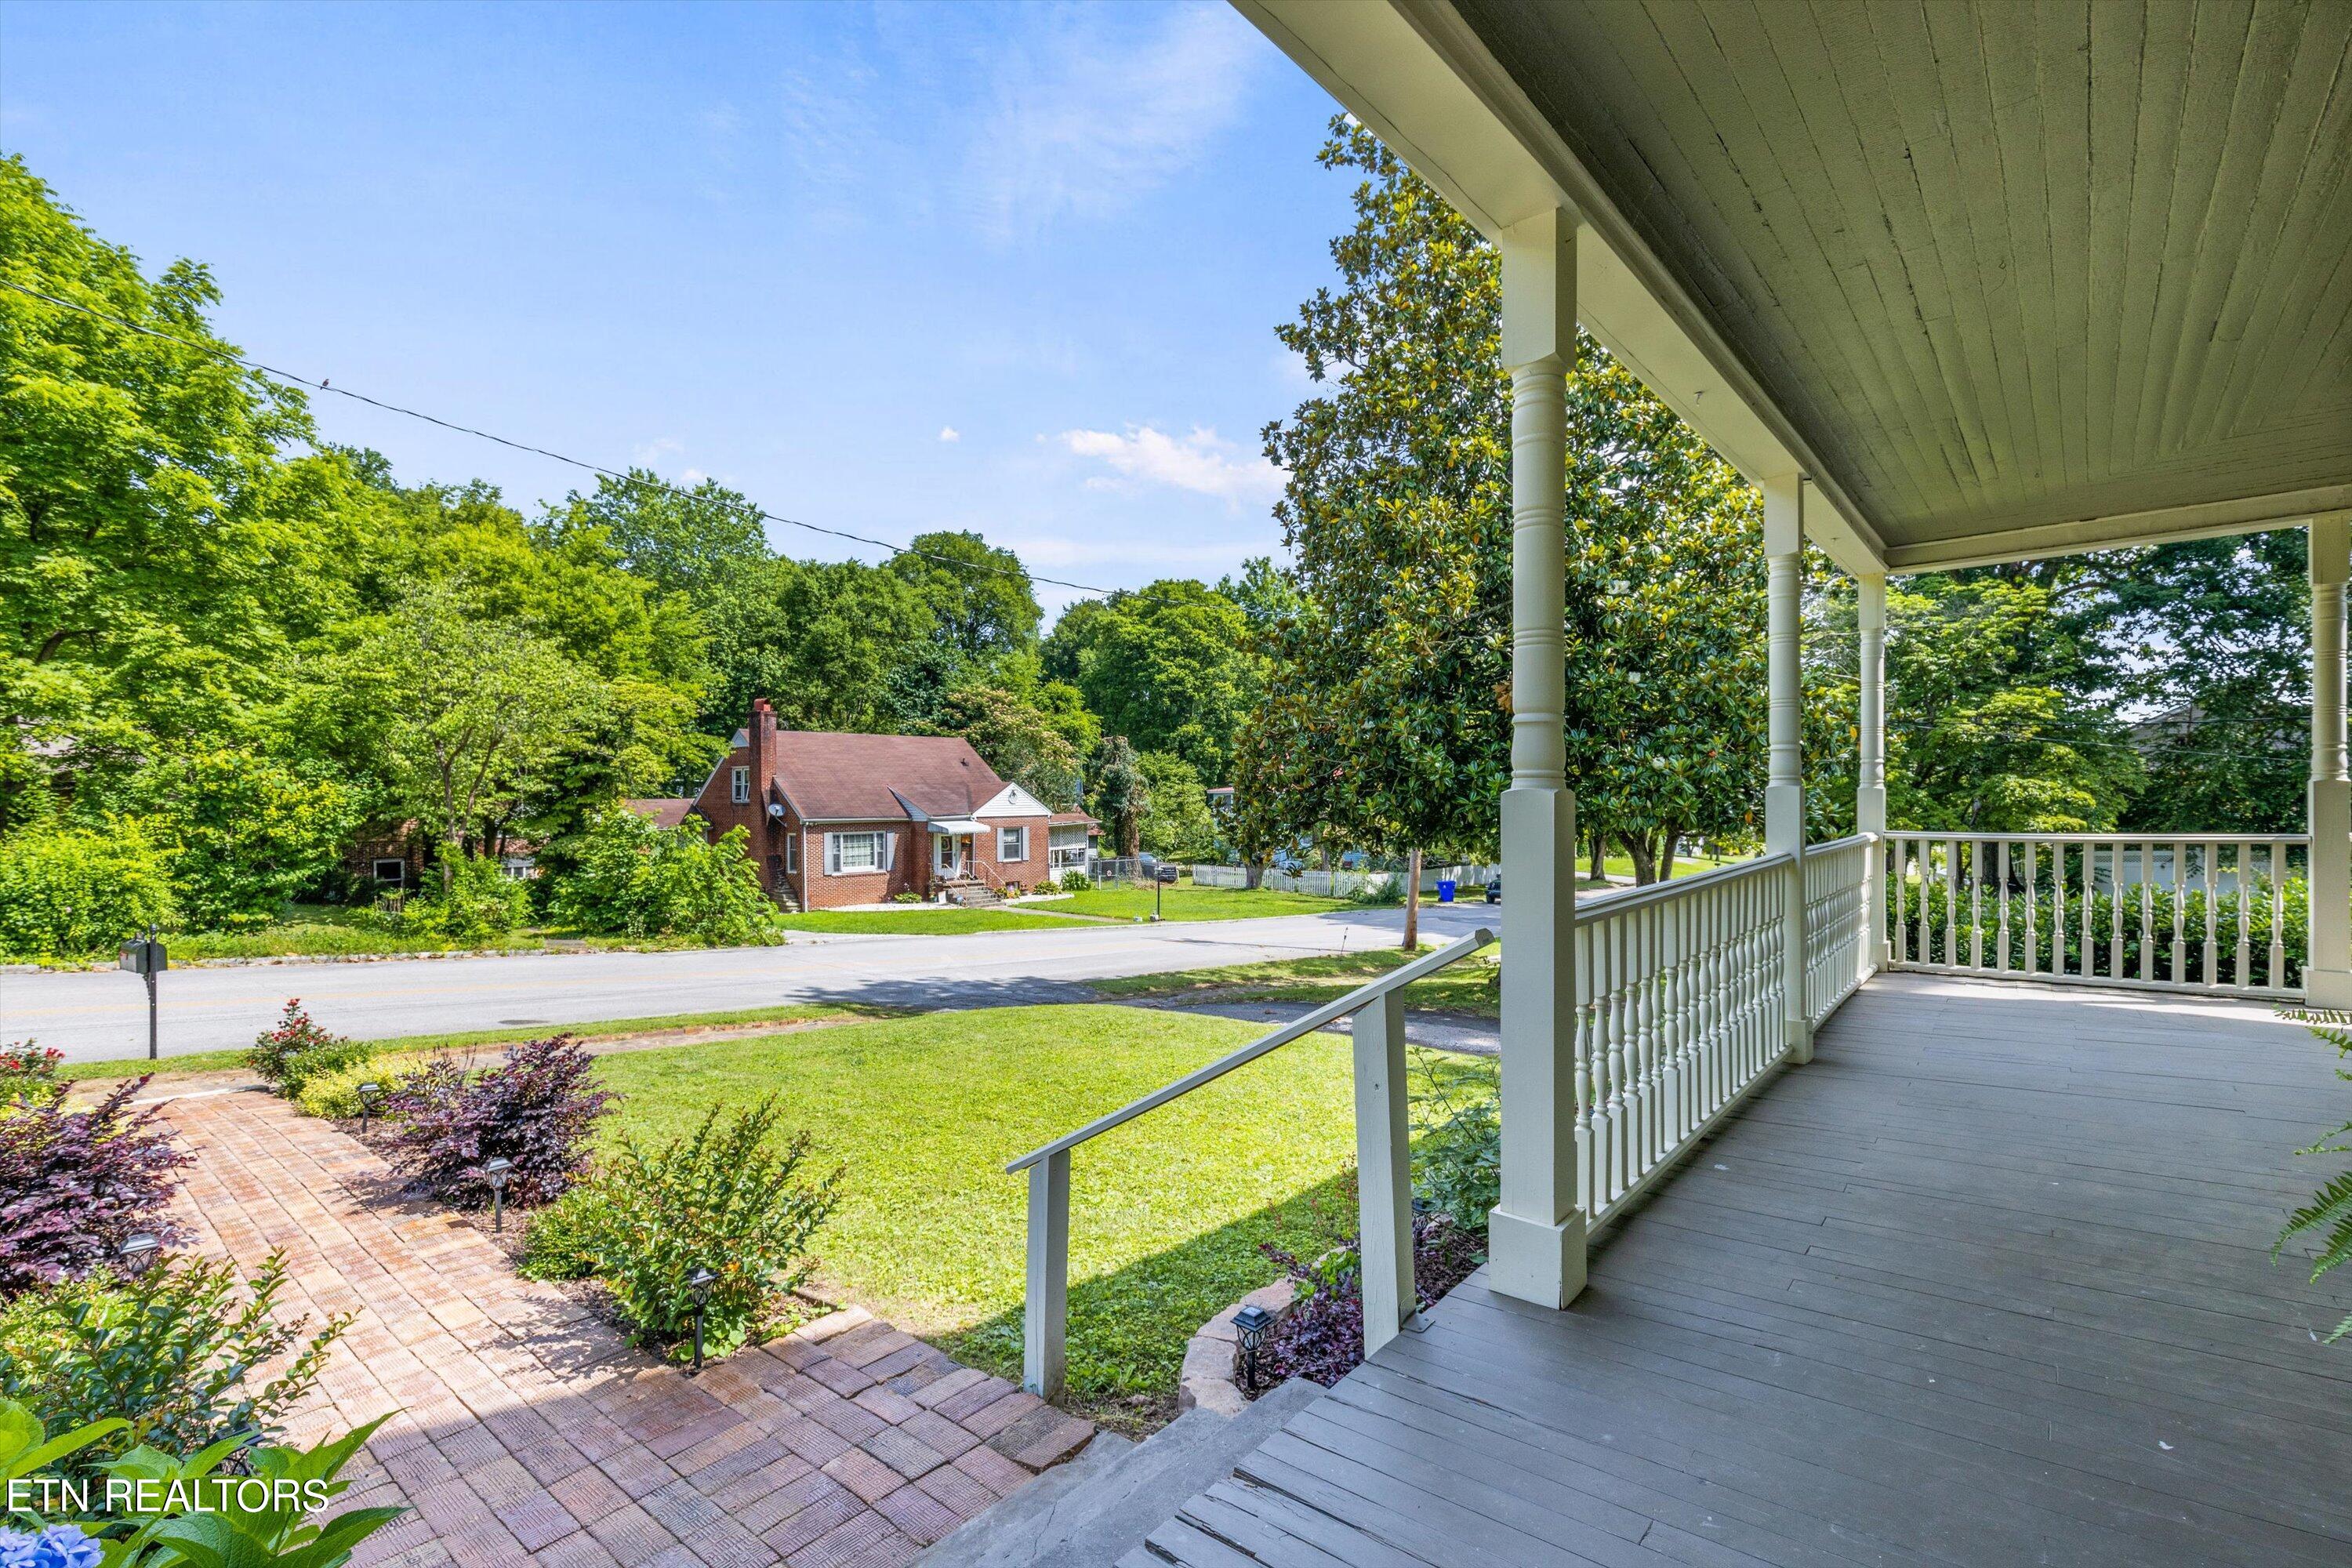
96	1015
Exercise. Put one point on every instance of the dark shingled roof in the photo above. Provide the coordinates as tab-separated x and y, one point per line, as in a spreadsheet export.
866	778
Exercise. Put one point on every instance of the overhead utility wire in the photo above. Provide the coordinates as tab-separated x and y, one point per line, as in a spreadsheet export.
581	463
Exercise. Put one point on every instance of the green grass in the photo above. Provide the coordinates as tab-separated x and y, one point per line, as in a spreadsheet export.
920	919
1186	902
213	1061
1167	1212
1470	986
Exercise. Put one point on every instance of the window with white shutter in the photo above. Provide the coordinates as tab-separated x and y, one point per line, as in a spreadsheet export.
1012	844
741	780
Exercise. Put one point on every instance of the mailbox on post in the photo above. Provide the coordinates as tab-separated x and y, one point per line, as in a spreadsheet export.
145	955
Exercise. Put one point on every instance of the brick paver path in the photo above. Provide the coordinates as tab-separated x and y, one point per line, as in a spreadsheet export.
528	1431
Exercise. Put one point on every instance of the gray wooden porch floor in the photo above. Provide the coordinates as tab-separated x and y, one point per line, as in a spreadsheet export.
1988	1283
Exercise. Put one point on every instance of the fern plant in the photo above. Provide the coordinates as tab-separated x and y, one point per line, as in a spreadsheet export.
2329	1213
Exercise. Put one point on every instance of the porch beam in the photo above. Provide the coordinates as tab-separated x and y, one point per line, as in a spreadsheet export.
1870	791
2327	966
1536	1233
1784	787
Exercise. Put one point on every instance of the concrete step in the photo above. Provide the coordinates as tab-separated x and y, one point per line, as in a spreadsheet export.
1098	1516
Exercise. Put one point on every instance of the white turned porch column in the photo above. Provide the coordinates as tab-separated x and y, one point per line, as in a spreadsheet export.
2327	967
1536	1234
1784	786
1870	791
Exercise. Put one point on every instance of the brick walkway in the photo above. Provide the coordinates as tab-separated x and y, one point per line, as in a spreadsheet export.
528	1431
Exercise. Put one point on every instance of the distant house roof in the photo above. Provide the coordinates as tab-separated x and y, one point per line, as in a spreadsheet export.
867	778
666	811
1073	819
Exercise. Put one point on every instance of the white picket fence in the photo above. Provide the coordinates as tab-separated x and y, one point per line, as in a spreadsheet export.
1348	884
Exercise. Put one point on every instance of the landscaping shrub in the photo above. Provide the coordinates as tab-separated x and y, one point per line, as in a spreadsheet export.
641	880
172	1352
74	1184
729	1197
29	1072
1457	1148
1323	1337
2329	1213
71	892
481	902
1076	881
297	1050
336	1094
1938	929
246	833
537	1109
217	1527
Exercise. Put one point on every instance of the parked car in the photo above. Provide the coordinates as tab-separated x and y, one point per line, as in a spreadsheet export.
1495	890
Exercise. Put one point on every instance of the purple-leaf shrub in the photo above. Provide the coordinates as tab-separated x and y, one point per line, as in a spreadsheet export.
1323	1337
74	1184
537	1109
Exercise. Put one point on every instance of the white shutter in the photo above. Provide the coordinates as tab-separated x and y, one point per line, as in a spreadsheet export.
889	850
833	853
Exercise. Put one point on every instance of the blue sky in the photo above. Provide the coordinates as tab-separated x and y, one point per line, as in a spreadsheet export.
885	268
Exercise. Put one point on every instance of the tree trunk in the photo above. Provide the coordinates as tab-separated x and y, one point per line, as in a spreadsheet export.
1411	900
1637	849
1600	859
1253	875
1666	853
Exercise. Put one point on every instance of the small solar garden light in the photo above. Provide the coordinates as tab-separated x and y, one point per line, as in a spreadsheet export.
369	1092
1251	1325
496	1172
139	1250
699	1282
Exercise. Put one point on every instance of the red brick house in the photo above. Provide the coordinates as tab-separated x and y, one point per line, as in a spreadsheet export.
838	819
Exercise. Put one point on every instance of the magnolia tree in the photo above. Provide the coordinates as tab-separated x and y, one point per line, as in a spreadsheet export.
1386	717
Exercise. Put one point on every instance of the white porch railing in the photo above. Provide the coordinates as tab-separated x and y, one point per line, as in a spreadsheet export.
1384	1168
2211	912
1837	915
1679	1012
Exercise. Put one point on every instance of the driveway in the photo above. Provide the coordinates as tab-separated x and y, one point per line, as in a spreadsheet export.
98	1016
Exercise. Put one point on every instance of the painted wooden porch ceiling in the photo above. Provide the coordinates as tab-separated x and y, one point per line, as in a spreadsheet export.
2004	266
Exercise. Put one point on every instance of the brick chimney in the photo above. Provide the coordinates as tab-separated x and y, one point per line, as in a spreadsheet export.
763	765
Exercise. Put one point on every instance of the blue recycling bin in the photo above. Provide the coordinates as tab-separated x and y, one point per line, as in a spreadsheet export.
1445	889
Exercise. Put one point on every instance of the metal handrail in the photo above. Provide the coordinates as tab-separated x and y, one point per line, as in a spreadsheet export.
1420	968
1383	1164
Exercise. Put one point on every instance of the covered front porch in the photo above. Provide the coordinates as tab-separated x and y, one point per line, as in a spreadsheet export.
1986	1282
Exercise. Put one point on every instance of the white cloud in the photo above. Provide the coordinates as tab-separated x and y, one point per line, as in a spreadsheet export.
1093	115
1201	462
650	454
950	433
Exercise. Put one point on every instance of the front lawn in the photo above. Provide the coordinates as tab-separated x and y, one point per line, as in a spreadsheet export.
921	920
1165	1213
1187	903
1473	986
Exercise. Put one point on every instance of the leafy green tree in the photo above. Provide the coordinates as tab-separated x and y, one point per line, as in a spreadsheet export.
1019	740
823	641
466	710
1177	824
158	554
1122	794
1385	717
1170	667
979	595
245	832
680	540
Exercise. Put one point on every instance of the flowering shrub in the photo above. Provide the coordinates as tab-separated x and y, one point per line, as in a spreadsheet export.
298	1051
169	1351
537	1110
1323	1337
57	1546
727	1199
75	1184
28	1071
